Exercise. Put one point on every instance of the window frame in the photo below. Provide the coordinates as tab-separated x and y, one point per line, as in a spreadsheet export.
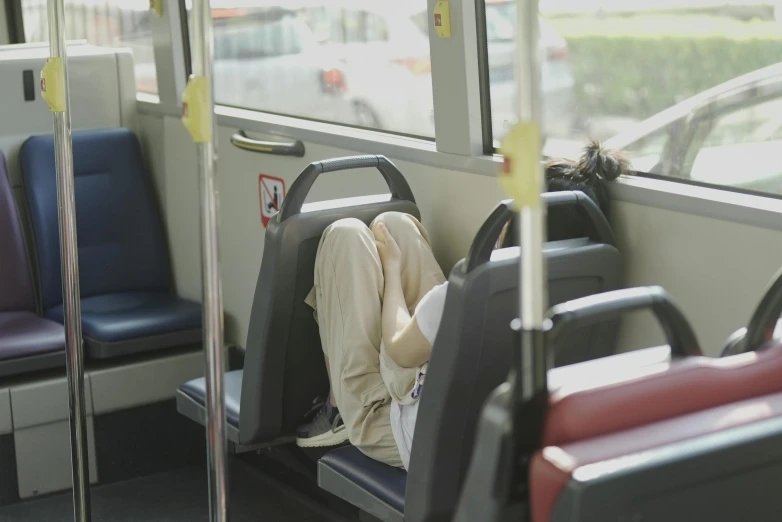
358	11
456	68
172	54
172	58
13	18
484	76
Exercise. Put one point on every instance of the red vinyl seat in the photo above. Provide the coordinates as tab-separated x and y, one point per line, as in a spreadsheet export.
594	421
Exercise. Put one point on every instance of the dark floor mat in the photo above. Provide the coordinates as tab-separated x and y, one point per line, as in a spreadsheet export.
178	496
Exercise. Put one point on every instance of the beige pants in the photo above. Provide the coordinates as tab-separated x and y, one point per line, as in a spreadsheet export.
348	298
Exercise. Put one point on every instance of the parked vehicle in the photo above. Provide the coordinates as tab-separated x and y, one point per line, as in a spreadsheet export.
728	135
271	61
388	71
383	53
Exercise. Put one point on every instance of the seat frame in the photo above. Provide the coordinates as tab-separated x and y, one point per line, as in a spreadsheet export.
107	350
33	363
272	403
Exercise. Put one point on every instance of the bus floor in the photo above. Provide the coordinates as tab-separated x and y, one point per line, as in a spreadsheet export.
181	496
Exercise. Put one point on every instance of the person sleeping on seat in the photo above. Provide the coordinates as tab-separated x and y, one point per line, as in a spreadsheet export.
378	297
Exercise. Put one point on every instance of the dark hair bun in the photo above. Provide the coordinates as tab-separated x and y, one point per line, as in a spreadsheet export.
599	163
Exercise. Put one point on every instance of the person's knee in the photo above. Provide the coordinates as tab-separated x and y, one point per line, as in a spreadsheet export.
348	240
400	225
393	219
346	231
403	227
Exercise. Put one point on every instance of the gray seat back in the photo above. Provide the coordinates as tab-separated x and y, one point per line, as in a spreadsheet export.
284	367
473	350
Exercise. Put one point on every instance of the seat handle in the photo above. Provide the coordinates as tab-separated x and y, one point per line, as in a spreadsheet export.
396	182
293	148
487	236
608	306
763	322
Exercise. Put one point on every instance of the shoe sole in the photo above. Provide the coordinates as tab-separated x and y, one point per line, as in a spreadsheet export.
325	439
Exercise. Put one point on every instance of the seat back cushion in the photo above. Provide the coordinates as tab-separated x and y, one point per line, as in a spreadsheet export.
552	468
121	240
284	369
24	335
582	410
597	407
474	350
16	284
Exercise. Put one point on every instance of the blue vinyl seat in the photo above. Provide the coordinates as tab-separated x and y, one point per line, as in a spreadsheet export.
128	301
374	487
194	392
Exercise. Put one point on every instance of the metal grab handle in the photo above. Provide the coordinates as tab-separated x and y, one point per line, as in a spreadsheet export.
608	306
242	141
763	322
500	483
596	222
200	122
54	90
396	182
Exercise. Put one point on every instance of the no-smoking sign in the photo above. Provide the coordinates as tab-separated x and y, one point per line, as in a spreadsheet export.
271	192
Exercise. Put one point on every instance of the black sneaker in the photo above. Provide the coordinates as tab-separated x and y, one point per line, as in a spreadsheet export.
325	429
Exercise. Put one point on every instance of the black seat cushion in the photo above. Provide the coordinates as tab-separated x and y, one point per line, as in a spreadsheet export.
196	390
381	480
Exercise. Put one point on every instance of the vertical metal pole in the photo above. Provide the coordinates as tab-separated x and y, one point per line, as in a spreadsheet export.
532	220
69	261
203	51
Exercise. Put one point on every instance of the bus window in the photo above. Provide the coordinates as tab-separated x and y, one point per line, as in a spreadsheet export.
365	65
742	147
106	23
650	77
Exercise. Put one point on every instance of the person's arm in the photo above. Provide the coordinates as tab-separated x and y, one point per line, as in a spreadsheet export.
404	341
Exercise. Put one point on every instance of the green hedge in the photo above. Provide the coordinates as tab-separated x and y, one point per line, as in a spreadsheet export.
641	65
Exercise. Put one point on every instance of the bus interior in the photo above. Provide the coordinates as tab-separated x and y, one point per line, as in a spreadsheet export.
663	386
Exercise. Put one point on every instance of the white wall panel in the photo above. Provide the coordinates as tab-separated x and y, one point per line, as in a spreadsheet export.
715	269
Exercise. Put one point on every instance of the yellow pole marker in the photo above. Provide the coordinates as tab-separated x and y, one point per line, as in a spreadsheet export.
53	84
196	113
442	19
521	174
156	6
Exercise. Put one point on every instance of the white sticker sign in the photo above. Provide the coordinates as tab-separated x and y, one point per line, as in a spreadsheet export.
271	192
